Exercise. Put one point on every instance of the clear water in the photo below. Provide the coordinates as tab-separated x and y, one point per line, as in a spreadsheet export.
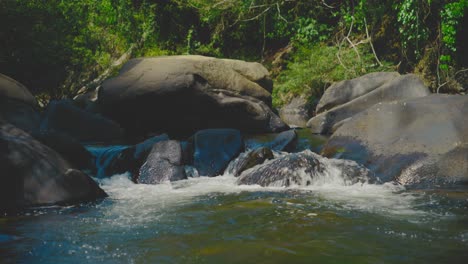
212	220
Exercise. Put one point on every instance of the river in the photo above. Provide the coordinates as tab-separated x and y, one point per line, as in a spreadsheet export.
212	220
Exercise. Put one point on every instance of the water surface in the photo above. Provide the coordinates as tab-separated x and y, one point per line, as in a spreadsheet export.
212	220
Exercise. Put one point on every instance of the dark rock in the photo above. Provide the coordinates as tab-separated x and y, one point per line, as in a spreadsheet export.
192	93
421	142
17	105
120	159
88	101
33	174
214	149
69	148
64	117
164	163
303	169
296	113
366	96
249	159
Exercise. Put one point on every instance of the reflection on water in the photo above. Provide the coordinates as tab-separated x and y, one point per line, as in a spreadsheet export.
211	220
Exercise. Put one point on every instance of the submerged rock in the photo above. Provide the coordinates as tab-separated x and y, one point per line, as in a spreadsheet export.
164	163
303	169
249	159
33	174
214	149
180	95
360	94
421	142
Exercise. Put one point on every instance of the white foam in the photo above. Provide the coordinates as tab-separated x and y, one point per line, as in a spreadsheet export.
141	203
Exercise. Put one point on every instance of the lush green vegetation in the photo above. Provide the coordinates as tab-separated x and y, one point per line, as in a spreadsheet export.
56	46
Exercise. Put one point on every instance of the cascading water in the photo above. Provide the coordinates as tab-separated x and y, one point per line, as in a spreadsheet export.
214	220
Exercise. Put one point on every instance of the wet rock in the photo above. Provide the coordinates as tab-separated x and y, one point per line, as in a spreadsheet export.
303	169
249	159
164	163
359	96
187	93
33	174
120	159
420	142
214	149
64	117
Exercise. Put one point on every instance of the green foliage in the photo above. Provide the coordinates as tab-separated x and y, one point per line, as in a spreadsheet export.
451	15
310	31
51	46
56	46
412	27
313	68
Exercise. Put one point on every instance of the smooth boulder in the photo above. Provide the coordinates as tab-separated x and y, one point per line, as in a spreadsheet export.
163	164
419	142
303	169
17	105
359	96
183	94
214	149
33	174
69	148
64	117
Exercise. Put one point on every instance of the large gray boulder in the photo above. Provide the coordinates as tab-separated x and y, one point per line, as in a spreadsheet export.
422	141
163	164
342	92
17	105
303	169
33	174
183	94
347	98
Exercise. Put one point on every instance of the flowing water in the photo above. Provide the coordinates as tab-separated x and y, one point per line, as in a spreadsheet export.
212	220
